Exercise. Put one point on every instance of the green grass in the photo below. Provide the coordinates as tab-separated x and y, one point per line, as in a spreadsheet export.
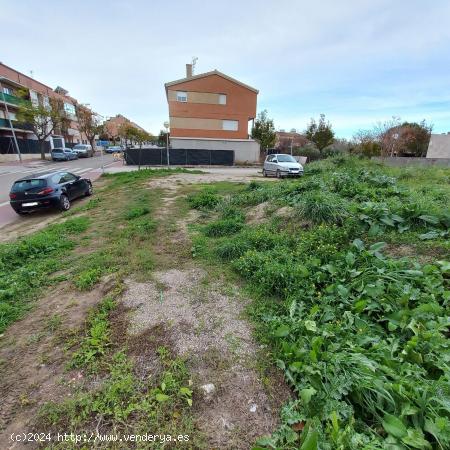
96	340
26	265
361	336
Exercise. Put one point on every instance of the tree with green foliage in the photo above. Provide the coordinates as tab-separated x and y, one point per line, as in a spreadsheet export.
89	124
142	136
264	130
321	133
43	119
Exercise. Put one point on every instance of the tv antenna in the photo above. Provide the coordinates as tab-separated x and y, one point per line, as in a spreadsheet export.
194	62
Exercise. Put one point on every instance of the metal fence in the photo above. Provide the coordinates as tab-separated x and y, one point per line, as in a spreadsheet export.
26	146
178	157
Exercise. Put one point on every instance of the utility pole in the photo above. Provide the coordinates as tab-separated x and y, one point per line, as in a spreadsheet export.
10	124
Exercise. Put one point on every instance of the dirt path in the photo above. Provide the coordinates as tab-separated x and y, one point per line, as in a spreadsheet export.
202	315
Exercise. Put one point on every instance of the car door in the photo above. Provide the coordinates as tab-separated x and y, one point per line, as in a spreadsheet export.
68	181
273	164
269	165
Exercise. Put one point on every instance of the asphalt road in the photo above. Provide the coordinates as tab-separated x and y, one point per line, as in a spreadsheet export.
9	172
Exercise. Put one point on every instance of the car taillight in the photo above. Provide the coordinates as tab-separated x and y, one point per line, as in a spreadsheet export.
45	191
12	196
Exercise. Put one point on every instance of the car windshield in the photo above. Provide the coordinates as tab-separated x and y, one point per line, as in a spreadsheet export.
285	158
24	185
79	147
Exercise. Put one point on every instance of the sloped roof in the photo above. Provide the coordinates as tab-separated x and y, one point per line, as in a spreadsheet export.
207	74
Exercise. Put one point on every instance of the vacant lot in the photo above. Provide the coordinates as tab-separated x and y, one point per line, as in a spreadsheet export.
219	312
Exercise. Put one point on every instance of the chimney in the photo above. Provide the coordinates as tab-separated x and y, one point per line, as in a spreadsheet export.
188	70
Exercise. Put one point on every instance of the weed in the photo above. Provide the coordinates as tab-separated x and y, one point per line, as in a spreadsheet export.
223	227
361	337
204	200
319	207
97	337
136	212
26	265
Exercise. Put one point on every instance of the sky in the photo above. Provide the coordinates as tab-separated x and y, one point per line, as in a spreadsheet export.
356	61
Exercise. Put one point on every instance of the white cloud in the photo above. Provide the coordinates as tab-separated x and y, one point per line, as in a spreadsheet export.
354	60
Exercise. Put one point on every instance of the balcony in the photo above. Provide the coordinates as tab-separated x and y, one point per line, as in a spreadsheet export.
17	125
12	99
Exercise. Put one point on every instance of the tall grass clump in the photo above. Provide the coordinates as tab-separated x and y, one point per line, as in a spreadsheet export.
320	207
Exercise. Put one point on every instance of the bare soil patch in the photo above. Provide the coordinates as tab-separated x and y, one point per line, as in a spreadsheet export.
204	323
32	368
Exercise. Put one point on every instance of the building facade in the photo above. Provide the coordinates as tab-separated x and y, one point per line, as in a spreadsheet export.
15	88
113	125
212	111
439	146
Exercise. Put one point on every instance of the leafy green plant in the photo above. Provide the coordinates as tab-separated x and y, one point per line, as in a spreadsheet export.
204	200
362	337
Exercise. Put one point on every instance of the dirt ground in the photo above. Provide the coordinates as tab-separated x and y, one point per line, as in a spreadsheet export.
200	312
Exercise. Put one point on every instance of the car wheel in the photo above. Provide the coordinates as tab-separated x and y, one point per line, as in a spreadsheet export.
64	203
264	173
279	174
90	190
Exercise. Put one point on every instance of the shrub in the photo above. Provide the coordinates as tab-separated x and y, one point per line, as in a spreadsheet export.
310	151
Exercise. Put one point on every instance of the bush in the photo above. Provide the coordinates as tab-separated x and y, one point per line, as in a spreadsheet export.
310	151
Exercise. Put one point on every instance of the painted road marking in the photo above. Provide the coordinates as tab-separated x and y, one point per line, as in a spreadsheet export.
83	170
4	204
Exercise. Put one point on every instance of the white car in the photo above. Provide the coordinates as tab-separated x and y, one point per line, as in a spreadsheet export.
282	165
83	150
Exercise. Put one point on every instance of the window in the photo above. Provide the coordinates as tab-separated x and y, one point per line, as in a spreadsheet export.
67	177
34	98
286	158
222	99
181	96
230	125
69	109
46	103
8	91
21	186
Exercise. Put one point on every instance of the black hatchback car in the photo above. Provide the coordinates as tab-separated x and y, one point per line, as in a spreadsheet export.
56	189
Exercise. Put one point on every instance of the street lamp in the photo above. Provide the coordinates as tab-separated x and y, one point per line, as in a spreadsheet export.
166	126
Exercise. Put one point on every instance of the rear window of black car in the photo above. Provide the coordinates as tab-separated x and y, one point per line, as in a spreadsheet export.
24	185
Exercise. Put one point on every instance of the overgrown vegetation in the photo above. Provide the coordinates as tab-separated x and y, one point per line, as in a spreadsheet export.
25	265
360	333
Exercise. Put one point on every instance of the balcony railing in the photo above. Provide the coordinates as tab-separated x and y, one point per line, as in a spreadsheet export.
12	99
16	125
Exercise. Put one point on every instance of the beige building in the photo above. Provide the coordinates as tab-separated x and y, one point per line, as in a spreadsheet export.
439	146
